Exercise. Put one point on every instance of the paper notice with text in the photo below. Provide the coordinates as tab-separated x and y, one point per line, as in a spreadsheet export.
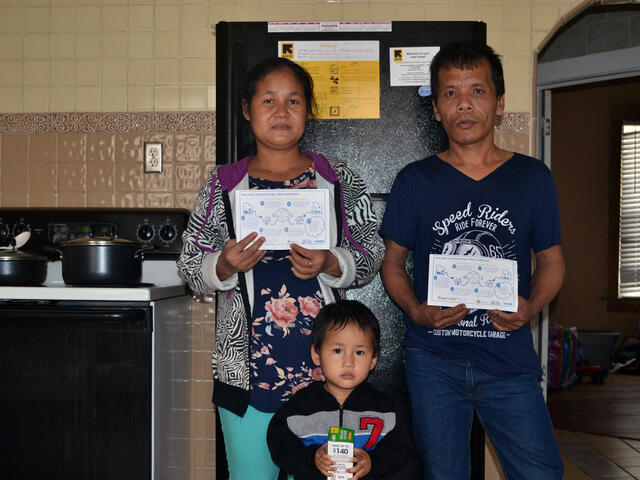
285	216
478	282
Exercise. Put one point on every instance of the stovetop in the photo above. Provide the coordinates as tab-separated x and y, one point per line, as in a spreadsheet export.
160	280
159	230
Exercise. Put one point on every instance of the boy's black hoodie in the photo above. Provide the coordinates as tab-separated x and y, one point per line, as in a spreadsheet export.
302	425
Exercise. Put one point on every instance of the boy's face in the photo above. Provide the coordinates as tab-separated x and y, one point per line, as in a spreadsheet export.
346	358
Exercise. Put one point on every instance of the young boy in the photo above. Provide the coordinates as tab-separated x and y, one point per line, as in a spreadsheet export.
346	345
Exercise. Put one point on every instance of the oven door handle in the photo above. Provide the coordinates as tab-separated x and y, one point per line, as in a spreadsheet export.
69	315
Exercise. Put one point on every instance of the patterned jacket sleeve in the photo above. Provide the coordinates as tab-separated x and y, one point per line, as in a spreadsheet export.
196	263
363	225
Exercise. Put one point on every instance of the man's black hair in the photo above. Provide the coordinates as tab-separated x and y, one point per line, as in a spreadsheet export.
271	64
342	313
466	55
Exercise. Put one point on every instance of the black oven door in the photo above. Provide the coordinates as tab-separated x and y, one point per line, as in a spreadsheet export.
75	391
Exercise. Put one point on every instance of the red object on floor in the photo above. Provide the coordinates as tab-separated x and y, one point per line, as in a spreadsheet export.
589	369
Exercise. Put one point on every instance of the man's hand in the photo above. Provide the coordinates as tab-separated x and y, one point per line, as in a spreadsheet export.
435	317
237	257
508	321
324	462
545	284
362	462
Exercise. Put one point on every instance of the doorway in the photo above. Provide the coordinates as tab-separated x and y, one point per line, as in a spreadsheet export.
585	71
582	168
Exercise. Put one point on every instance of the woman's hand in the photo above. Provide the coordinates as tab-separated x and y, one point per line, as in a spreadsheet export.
306	264
237	257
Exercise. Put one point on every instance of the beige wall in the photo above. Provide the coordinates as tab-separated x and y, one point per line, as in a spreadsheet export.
146	55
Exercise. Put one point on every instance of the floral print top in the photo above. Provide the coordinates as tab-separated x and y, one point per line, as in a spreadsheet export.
283	311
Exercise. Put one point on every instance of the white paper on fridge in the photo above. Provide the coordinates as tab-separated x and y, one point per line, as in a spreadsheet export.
285	216
478	282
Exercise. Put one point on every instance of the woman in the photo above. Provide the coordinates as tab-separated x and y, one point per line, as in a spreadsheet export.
268	299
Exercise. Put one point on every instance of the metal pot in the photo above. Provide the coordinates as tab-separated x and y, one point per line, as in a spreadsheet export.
21	268
103	261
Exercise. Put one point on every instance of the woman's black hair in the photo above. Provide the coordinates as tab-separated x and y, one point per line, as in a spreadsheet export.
342	313
466	55
271	64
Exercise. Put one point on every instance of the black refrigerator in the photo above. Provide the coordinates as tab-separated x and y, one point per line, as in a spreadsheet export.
401	130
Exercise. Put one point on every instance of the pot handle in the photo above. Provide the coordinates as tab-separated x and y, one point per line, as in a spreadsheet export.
144	248
102	227
50	249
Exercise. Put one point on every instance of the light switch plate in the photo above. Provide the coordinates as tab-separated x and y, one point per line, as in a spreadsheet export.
153	157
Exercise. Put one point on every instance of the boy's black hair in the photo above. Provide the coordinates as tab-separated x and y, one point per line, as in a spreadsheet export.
466	55
342	313
271	64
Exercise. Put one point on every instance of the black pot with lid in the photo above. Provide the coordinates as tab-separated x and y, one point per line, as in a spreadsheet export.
21	268
101	261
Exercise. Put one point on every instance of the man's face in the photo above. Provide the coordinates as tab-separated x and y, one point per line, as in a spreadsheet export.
467	104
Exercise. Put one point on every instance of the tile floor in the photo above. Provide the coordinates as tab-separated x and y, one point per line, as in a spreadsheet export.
587	457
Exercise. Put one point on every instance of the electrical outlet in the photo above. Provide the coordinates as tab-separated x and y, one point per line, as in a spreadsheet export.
153	157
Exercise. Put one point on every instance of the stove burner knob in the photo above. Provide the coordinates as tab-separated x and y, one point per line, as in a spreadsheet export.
168	233
4	232
145	233
19	228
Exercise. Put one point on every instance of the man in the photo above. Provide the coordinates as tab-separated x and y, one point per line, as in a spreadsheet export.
474	199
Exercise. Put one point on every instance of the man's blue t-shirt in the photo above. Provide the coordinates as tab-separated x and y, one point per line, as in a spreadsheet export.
435	208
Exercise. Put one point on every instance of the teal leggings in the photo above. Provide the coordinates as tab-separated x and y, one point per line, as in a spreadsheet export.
245	441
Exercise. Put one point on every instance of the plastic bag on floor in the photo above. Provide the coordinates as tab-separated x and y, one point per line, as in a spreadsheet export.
564	353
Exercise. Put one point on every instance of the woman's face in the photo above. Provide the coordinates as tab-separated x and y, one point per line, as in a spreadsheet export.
278	111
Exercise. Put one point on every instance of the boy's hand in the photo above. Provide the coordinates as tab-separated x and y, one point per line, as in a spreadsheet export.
362	462
324	462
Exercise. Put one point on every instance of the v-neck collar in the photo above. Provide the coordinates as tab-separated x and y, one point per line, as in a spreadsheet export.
471	179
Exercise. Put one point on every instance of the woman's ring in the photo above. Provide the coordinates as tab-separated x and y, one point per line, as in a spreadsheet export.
309	264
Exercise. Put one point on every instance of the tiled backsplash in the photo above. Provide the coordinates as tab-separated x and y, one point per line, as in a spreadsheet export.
96	160
513	132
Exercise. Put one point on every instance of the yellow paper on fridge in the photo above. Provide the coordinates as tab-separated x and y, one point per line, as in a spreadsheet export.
346	75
